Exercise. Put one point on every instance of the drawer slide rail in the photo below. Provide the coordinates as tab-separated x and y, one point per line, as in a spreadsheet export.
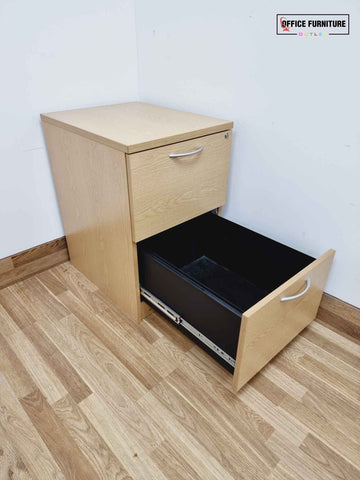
176	318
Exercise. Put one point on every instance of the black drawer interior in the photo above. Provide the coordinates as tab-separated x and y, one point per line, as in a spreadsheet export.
210	270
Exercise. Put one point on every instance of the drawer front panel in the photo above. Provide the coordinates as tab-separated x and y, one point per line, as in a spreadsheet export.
268	326
167	191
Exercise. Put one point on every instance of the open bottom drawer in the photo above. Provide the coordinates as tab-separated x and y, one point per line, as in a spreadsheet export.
241	296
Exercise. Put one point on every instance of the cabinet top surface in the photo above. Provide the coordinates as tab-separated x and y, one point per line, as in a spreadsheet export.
133	127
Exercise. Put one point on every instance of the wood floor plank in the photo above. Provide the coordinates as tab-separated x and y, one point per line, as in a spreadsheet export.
70	276
16	309
231	403
14	371
58	440
173	464
74	281
25	437
332	377
222	375
12	466
329	459
164	356
280	473
51	282
231	456
286	383
325	342
131	359
7	324
97	366
192	448
130	332
38	301
319	425
268	388
101	371
88	294
298	463
125	447
282	421
63	369
227	400
348	344
328	359
100	456
213	412
40	372
136	333
323	390
333	415
148	332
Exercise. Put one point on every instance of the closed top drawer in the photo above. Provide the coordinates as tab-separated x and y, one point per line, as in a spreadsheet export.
172	184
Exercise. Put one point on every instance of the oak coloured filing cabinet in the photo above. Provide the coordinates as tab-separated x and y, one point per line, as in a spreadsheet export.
135	185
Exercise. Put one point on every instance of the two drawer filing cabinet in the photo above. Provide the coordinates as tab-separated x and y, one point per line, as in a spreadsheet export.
139	189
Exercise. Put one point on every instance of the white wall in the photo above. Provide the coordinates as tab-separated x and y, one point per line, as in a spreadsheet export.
53	56
295	171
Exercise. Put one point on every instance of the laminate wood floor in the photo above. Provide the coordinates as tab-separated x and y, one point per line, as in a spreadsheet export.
86	394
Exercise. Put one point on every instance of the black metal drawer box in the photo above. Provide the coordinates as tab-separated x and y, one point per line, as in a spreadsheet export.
240	295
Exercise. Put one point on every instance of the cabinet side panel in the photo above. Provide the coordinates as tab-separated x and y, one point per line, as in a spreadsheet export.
91	185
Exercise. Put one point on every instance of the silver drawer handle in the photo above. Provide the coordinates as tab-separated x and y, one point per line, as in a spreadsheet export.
308	284
177	155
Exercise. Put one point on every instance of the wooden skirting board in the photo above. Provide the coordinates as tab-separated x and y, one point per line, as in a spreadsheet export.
34	260
337	315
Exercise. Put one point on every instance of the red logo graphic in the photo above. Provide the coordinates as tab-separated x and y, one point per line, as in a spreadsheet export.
283	24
